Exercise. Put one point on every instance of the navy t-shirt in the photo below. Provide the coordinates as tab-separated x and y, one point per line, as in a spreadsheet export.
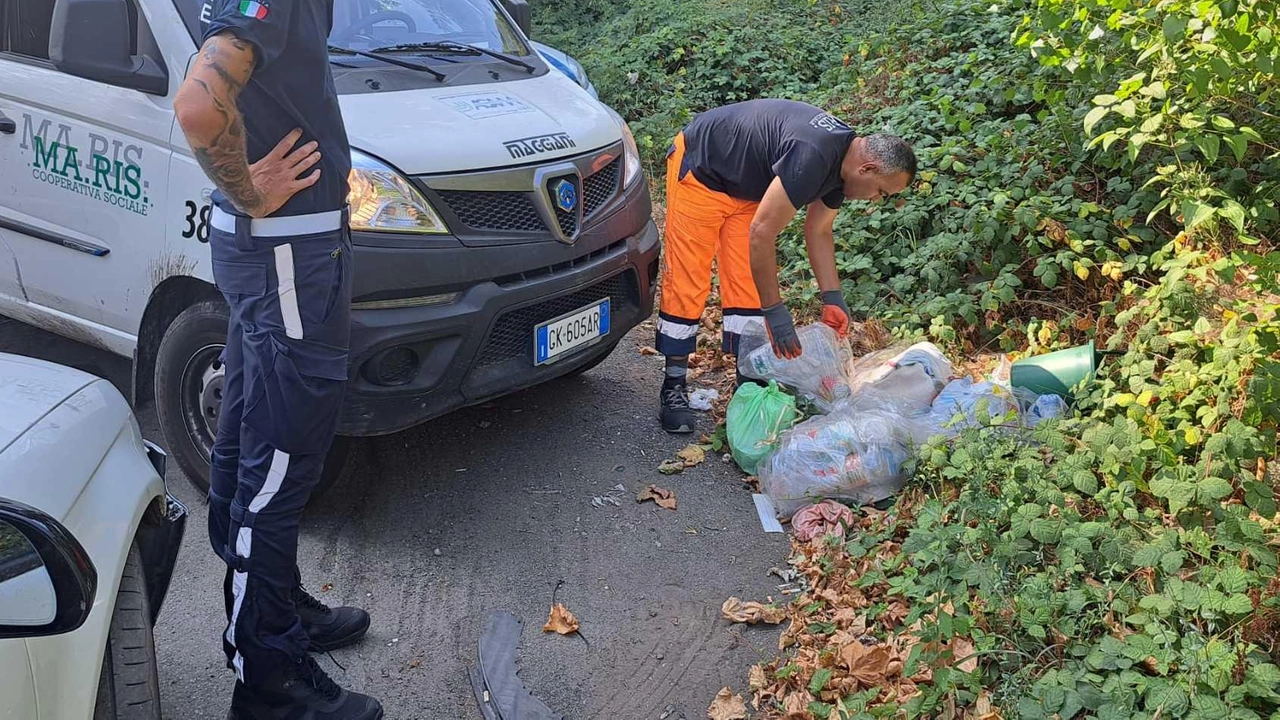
738	149
291	87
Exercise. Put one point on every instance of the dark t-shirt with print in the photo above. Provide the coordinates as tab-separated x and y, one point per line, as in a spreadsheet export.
738	149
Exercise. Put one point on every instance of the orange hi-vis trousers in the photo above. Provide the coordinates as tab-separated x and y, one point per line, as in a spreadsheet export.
703	225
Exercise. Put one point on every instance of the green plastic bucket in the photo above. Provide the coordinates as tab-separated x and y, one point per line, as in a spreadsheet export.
1056	373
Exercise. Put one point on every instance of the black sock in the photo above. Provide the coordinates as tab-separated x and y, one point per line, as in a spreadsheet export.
676	372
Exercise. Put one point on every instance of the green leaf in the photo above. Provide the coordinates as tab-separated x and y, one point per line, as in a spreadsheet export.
1152	124
1127	109
1237	605
819	680
1149	555
1233	579
1175	28
1105	100
1171	699
1234	214
1195	213
1178	493
1191	121
1239	145
1223	122
1085	481
1209	145
1093	118
1171	562
1214	488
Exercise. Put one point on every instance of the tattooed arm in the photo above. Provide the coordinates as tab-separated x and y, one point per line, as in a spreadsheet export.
207	110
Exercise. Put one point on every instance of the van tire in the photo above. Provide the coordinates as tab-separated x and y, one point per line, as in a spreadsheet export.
129	686
191	343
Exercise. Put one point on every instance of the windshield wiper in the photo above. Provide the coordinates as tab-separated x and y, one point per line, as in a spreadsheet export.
389	60
461	47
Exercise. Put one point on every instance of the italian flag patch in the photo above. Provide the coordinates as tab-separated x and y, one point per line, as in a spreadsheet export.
253	9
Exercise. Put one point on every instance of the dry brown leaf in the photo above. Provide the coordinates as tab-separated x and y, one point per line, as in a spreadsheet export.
326	587
692	455
727	706
870	665
756	679
561	621
735	610
662	496
963	652
796	706
648	351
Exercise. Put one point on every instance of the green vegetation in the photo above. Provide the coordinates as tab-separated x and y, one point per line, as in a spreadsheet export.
1091	169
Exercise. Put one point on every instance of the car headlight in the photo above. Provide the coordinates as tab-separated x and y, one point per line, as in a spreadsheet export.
382	200
631	166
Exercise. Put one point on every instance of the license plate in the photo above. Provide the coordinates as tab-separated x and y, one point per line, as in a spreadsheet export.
567	333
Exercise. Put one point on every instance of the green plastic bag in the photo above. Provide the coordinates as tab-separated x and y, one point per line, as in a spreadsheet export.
754	421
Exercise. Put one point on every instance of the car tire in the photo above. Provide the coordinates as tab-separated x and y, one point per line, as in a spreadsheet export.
129	686
594	363
188	394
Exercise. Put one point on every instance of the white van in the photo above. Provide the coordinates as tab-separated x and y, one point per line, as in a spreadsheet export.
494	201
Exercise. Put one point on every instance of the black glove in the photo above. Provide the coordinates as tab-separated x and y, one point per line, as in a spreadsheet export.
782	332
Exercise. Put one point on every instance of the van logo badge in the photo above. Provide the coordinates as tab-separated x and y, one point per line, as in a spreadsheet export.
566	195
538	144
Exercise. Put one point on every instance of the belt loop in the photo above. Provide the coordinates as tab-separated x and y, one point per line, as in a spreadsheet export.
244	233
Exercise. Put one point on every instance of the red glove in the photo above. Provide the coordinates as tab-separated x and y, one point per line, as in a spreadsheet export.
835	314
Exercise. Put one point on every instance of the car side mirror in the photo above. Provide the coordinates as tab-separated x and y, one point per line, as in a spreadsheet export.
47	581
519	11
92	38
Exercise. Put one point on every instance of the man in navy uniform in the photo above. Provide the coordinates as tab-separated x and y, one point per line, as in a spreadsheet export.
261	114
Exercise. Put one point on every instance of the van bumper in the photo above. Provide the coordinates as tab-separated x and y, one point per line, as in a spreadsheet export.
412	364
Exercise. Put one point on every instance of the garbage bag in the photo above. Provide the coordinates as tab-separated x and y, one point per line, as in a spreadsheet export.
962	398
818	374
874	367
1045	407
756	418
856	454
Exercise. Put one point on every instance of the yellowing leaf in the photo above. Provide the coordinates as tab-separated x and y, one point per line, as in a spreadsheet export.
1124	399
727	706
1081	271
561	621
1145	398
671	467
692	455
1192	435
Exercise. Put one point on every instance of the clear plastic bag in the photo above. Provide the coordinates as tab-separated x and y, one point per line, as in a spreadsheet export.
818	374
875	367
858	454
956	407
755	420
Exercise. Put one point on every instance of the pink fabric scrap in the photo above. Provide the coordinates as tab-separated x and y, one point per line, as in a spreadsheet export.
823	518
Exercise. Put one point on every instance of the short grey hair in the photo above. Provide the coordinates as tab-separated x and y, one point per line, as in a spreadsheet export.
892	153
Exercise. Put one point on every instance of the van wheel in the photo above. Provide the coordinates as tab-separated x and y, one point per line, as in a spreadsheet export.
128	686
188	391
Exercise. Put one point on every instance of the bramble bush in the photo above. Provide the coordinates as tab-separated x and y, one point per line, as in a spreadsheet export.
1090	170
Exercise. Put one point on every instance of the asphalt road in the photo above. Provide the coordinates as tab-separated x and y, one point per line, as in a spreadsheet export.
487	509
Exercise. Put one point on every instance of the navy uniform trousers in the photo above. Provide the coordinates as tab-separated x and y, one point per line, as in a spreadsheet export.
285	365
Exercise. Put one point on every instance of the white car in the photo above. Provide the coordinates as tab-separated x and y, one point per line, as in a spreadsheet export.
88	539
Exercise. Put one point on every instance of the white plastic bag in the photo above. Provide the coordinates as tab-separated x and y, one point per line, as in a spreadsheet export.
874	367
818	374
962	398
856	454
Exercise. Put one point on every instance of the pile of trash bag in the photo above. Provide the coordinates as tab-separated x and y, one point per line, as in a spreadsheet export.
874	411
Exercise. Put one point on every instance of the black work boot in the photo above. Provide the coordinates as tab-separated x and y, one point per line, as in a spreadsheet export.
301	691
329	628
677	416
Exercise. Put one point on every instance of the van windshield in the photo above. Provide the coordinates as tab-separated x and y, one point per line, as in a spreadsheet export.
371	24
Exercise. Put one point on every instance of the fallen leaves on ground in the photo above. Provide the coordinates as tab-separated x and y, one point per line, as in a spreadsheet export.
671	467
727	706
692	455
736	610
561	621
662	496
648	351
326	587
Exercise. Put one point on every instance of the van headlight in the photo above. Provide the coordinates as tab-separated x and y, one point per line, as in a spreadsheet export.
631	166
382	200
